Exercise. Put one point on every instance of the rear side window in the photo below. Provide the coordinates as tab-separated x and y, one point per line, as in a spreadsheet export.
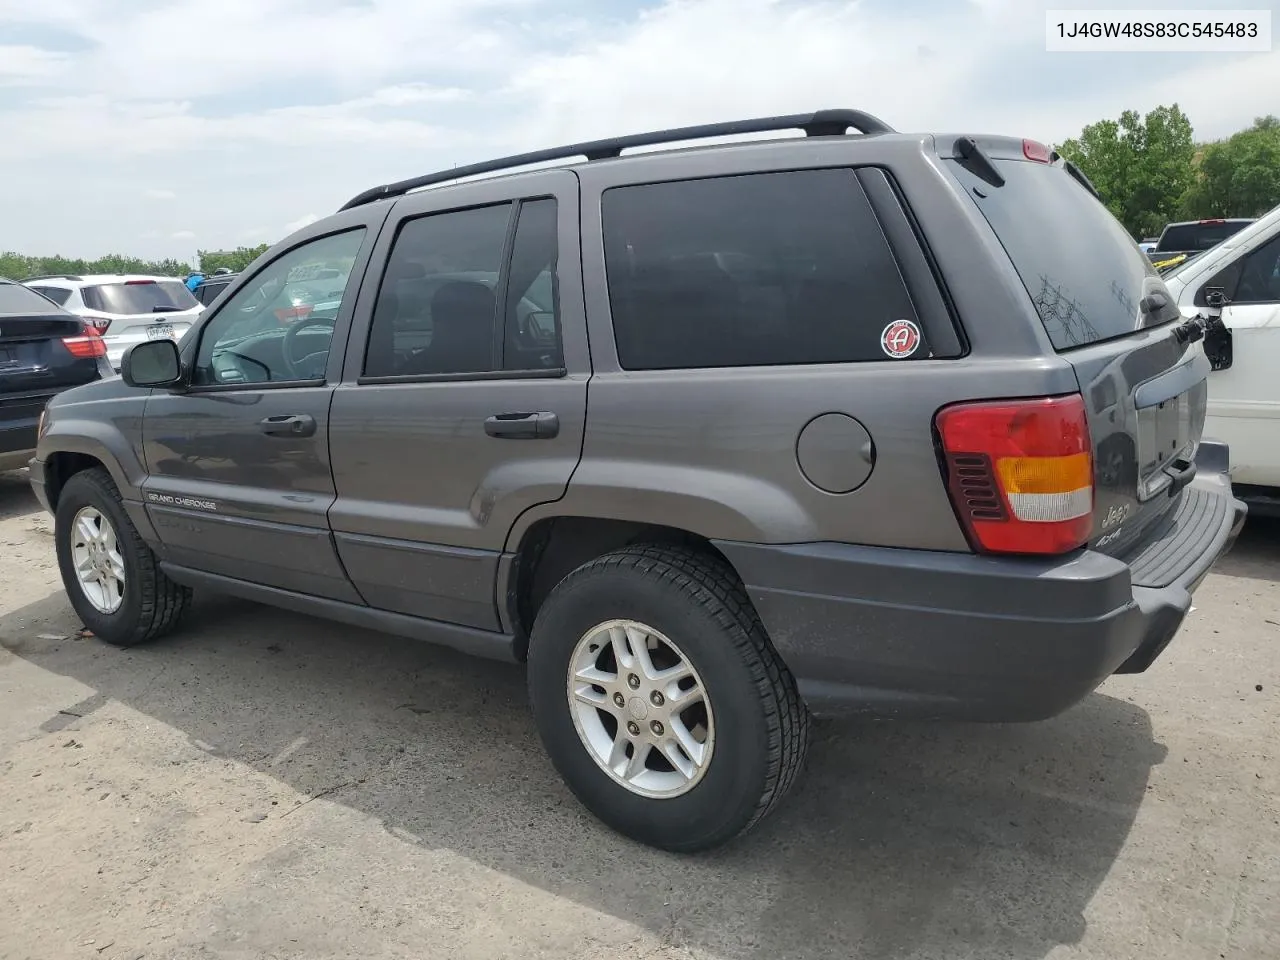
756	270
15	299
138	296
450	276
1083	271
58	295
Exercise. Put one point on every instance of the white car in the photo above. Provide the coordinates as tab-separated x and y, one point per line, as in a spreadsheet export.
124	308
1244	388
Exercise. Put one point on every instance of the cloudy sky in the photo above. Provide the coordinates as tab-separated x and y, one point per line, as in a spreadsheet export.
156	127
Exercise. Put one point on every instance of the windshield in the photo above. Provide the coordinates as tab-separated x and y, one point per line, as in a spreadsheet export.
1083	271
139	296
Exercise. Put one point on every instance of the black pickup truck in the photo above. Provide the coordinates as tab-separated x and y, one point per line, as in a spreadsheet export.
1181	241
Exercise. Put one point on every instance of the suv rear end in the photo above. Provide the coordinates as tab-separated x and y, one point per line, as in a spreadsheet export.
1063	435
125	309
43	350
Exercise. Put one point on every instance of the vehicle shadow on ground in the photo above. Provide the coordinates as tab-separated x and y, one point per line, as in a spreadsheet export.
1256	554
16	497
902	839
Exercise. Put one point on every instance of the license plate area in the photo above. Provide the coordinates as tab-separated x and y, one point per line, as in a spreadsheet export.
1168	434
160	331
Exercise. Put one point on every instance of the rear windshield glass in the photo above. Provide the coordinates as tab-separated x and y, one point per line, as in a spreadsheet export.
139	297
15	298
1198	236
1085	274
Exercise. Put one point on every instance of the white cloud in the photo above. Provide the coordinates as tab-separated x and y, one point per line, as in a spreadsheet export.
311	101
301	222
25	65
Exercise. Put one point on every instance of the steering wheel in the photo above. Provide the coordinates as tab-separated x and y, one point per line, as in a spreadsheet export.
293	363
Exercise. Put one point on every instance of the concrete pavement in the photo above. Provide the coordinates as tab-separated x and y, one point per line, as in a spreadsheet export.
267	785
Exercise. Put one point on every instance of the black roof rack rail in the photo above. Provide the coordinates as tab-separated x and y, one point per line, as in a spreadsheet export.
53	276
823	123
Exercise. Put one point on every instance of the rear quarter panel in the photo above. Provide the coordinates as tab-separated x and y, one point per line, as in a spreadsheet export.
714	451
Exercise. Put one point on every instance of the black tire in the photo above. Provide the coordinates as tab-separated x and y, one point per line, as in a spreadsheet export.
761	724
152	603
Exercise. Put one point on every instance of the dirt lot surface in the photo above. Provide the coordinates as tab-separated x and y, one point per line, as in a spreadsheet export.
266	785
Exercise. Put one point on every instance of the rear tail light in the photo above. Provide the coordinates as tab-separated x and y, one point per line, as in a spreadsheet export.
139	283
287	315
1020	473
88	345
99	324
1212	221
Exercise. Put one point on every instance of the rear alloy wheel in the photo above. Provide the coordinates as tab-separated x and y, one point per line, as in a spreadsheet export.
641	709
661	701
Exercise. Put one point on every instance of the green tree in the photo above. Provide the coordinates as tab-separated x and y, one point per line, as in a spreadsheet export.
1239	176
16	266
1141	165
235	260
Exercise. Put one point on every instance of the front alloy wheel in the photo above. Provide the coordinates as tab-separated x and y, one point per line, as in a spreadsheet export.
98	564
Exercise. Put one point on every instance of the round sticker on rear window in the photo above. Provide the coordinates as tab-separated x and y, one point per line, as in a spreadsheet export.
900	339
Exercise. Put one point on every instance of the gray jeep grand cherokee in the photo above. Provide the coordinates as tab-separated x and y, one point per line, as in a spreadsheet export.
712	439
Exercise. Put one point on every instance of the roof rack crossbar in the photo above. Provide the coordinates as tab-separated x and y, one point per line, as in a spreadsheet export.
823	123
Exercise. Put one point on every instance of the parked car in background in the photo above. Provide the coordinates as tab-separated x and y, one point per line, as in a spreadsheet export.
711	438
1148	244
43	350
124	308
1182	241
1238	281
208	289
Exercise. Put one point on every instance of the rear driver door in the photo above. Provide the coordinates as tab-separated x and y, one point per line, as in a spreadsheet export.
465	403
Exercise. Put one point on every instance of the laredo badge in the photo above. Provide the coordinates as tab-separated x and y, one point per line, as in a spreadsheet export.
900	339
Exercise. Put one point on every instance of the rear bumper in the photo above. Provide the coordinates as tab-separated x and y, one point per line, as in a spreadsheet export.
907	633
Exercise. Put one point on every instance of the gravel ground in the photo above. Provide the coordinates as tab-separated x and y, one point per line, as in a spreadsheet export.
267	785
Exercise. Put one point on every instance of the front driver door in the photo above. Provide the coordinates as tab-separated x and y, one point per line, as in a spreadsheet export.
239	478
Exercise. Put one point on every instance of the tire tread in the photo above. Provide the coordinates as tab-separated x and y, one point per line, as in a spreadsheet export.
715	587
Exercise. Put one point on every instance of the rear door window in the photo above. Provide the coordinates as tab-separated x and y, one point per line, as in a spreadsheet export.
1084	273
755	270
139	296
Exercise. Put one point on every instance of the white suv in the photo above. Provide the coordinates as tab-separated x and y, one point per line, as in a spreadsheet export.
124	308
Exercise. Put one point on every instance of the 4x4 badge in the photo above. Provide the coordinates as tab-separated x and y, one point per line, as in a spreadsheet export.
900	339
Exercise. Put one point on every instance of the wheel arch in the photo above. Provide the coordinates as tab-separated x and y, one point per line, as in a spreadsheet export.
552	547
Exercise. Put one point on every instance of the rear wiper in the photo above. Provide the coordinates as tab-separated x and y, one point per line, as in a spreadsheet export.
160	308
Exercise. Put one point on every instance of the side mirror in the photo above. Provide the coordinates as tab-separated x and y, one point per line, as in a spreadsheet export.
155	363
